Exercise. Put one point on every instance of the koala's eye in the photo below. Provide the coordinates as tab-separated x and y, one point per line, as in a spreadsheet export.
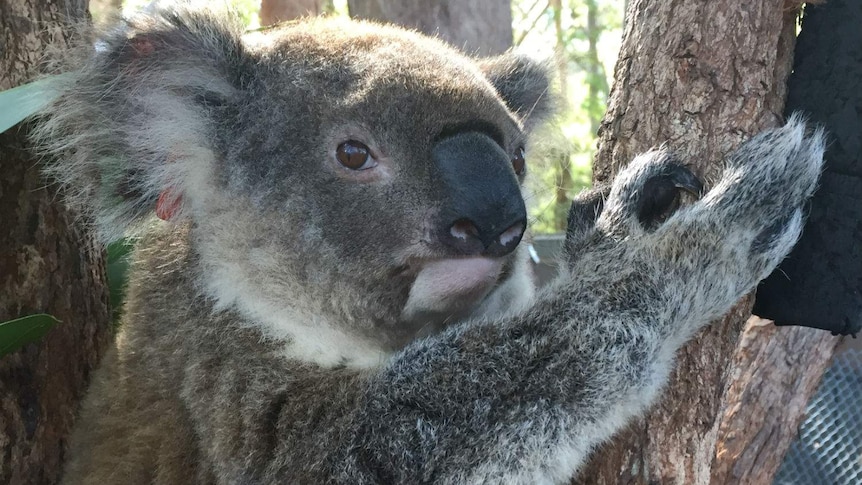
355	155
519	162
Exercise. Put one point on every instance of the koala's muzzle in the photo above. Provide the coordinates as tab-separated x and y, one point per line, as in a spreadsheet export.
483	212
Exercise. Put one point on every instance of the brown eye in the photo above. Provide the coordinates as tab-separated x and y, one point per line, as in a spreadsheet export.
519	163
354	155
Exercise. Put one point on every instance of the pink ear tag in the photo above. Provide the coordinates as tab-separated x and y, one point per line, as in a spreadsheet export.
168	204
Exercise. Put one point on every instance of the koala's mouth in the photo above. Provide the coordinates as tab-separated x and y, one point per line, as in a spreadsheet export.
445	289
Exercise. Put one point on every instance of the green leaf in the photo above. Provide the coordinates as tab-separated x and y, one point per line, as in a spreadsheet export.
25	100
14	334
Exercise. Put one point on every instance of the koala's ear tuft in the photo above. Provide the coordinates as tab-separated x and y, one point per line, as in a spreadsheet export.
524	84
140	116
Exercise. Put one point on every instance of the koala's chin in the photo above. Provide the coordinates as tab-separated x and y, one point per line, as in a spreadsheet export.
448	290
453	289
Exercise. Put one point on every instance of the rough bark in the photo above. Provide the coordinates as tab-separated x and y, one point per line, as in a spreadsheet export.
773	375
274	11
45	266
481	27
703	76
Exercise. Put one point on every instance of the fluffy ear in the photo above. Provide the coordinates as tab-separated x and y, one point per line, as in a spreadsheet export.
524	84
137	125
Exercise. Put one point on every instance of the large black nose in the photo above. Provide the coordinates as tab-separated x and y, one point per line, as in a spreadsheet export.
483	211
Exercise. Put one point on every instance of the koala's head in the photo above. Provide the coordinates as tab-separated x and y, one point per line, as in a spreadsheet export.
345	184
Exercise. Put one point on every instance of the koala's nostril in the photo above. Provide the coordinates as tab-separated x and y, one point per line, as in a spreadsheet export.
508	240
464	229
512	235
463	236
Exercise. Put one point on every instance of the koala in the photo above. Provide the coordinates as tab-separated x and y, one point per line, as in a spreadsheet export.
329	283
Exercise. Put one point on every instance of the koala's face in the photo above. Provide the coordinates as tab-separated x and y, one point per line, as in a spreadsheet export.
376	173
341	178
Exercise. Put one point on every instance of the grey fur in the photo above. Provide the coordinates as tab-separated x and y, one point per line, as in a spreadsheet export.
263	339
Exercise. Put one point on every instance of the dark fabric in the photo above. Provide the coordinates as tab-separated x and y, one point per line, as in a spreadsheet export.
820	284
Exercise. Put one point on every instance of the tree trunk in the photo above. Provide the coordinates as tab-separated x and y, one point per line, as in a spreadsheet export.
703	76
481	27
45	266
274	11
774	373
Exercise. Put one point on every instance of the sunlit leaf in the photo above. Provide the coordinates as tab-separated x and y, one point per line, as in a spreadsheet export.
22	101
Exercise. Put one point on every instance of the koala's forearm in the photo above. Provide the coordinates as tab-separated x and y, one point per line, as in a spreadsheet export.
486	401
517	402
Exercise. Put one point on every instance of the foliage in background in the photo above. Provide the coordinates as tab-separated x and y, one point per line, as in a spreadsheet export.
582	37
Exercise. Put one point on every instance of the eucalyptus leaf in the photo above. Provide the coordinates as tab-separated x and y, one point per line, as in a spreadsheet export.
23	101
14	334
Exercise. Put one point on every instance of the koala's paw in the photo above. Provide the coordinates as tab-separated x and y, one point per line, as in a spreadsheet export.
764	188
715	249
771	175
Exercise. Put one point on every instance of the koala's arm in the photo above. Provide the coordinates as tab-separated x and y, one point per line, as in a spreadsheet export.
525	399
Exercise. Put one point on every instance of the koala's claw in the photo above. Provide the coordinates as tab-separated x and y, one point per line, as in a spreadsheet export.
660	194
647	193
